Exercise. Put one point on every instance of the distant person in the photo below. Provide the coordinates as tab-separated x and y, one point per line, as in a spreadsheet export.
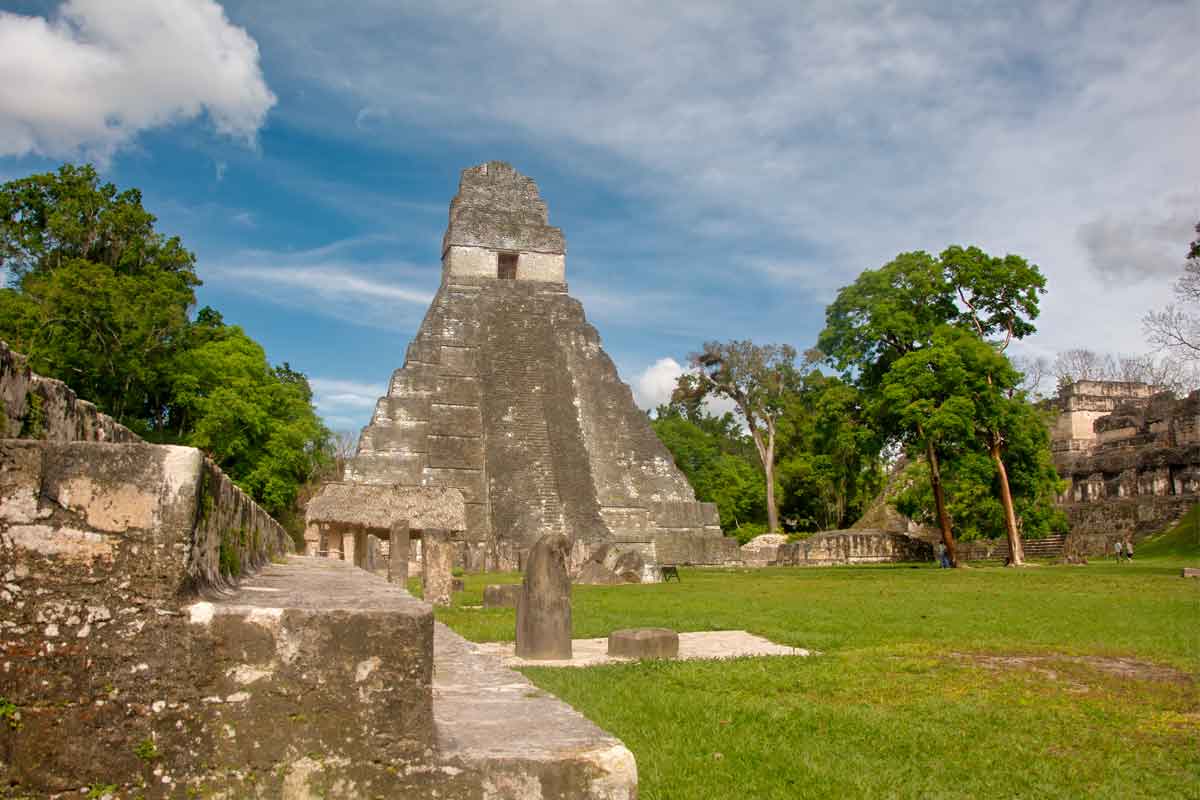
1129	550
1117	550
943	556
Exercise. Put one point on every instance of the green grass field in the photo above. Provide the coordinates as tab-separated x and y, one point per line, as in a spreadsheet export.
989	682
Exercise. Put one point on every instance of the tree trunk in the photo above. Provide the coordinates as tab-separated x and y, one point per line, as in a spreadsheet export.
766	454
939	499
1016	550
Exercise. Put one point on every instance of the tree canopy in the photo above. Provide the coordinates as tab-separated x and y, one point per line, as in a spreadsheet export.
101	300
915	336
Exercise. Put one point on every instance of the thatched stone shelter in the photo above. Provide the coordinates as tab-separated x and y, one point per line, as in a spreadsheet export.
343	515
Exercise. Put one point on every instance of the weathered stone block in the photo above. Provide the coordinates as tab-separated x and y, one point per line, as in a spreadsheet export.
456	452
1191	572
458	360
454	420
544	609
437	562
644	643
398	541
501	595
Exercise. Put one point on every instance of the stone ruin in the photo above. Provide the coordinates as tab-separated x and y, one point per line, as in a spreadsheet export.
1130	454
157	637
507	396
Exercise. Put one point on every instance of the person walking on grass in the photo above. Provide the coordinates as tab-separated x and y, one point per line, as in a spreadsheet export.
1129	550
1117	550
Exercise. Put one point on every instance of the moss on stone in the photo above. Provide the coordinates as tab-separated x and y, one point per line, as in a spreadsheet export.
33	426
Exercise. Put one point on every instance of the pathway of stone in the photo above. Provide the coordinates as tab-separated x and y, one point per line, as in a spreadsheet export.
703	644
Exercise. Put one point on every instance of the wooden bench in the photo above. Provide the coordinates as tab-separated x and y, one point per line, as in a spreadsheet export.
669	571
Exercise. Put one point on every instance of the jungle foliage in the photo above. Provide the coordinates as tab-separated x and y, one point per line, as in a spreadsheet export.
101	300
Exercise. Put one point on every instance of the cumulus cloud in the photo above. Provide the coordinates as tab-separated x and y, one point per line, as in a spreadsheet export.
94	75
653	386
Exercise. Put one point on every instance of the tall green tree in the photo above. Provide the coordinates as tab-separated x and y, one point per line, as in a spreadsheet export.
757	378
95	295
895	311
828	454
98	298
999	295
711	451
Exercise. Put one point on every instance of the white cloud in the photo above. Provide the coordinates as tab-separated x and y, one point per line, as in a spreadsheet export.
332	282
831	134
653	386
98	72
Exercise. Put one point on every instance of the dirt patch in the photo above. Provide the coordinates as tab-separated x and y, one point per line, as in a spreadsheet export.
1051	666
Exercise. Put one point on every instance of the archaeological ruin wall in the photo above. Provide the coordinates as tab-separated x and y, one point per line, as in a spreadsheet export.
1131	457
507	395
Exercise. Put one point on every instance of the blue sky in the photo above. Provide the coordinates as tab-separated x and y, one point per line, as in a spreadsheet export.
719	169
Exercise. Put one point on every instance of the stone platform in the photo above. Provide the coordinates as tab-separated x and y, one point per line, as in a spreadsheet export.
699	645
523	742
395	704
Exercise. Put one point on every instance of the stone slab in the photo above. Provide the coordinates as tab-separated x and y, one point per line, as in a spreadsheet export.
644	643
1191	572
519	740
700	645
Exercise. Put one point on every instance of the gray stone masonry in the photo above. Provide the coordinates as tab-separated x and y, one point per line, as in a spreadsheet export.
544	607
34	406
437	562
497	207
853	547
501	595
507	395
398	543
644	643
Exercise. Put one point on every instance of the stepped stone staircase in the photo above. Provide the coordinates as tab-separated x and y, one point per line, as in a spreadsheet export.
1049	547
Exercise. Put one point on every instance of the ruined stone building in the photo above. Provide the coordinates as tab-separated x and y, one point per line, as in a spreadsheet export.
506	394
1130	455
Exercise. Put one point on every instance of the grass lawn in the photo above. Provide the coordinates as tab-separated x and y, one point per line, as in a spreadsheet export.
985	682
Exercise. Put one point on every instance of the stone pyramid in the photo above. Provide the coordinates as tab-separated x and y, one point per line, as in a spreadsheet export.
506	394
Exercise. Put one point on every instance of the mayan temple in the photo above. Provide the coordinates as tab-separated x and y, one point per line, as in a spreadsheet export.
506	394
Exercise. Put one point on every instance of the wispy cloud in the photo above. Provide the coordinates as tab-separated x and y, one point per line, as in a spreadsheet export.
345	405
349	280
830	134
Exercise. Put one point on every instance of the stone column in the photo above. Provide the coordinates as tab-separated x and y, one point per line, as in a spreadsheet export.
544	608
398	552
371	557
348	545
437	560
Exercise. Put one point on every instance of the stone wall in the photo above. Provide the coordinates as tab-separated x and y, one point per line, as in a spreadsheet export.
33	406
1131	459
853	547
101	545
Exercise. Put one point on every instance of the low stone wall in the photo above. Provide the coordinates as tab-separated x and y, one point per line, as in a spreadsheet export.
688	548
1095	527
101	546
35	407
853	547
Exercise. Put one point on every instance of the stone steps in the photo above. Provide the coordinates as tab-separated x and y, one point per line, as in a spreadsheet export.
342	686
